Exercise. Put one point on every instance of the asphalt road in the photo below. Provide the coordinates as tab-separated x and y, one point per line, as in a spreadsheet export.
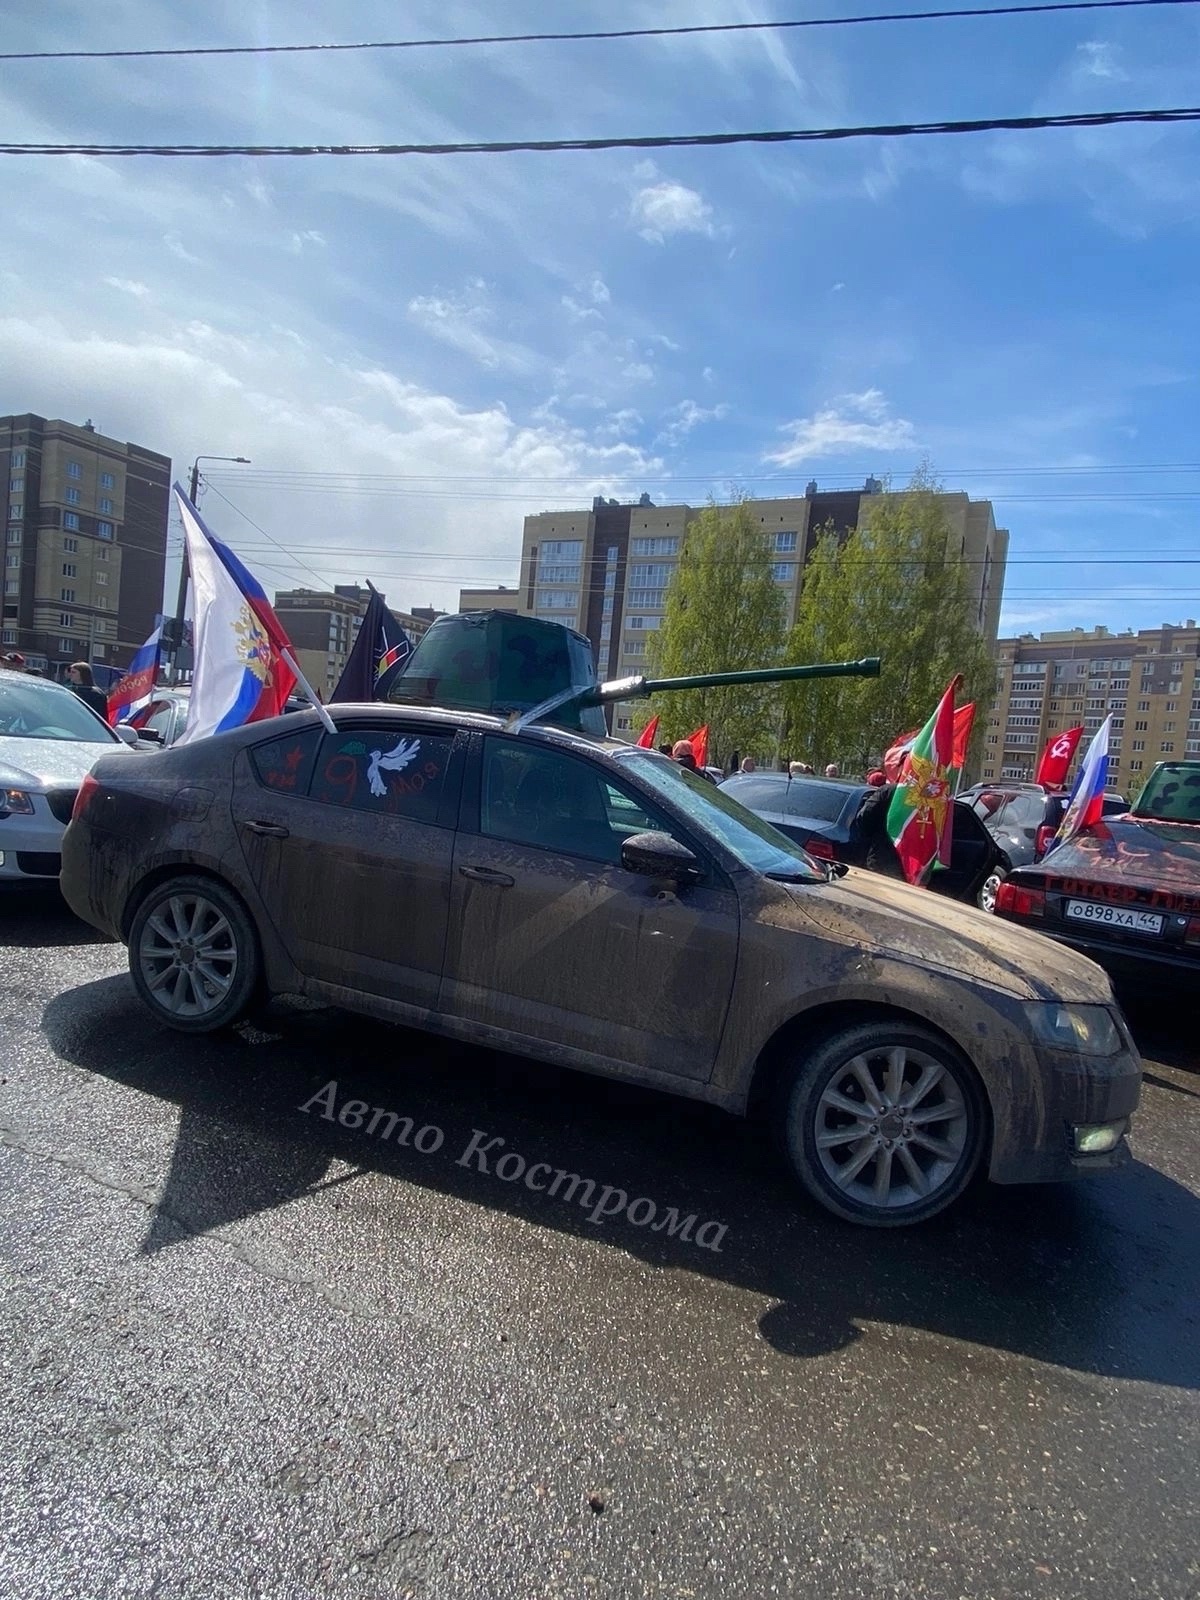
249	1352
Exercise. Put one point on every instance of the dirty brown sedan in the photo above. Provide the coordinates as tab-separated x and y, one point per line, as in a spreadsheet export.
597	906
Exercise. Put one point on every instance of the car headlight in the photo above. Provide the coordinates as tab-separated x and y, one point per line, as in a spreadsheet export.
1078	1030
15	802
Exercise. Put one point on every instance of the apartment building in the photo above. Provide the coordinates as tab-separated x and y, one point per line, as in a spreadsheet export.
323	625
498	599
1149	682
605	571
85	542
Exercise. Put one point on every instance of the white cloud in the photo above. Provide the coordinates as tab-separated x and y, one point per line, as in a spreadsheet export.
460	321
709	375
849	422
129	286
177	248
1098	58
580	313
599	290
662	209
681	419
637	372
309	236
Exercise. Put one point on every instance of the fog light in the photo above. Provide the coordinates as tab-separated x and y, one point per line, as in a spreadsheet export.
1094	1140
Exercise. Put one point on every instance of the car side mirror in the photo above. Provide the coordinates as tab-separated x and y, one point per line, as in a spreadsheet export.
126	734
657	855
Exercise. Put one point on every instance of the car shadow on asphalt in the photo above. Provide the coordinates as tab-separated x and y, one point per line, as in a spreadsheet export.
35	916
1099	1277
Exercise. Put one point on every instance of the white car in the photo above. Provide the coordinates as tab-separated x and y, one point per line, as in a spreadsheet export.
49	741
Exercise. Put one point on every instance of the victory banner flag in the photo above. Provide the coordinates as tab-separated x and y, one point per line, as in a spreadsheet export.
1057	757
378	656
135	690
920	816
648	735
896	755
1086	804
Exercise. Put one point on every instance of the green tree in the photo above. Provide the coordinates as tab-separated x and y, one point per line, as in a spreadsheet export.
724	613
892	588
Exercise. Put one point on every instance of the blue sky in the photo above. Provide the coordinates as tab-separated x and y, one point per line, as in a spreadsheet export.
478	337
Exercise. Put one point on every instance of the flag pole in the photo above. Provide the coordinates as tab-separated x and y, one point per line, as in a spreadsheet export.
309	695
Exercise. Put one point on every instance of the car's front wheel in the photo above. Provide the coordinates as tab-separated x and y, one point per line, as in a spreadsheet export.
884	1124
193	954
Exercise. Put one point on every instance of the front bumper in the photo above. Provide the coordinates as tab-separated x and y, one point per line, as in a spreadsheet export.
30	846
1039	1145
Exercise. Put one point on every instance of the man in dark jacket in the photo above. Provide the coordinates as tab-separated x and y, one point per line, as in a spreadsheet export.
79	676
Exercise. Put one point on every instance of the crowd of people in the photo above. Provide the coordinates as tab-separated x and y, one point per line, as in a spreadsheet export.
80	678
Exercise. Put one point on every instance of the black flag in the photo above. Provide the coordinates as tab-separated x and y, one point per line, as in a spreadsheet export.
378	656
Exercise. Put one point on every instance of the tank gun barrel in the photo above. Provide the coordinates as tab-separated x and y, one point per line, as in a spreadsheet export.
867	667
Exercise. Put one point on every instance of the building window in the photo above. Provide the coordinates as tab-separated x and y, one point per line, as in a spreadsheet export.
1141	727
647	599
102	577
16	511
107	481
72	497
1171	705
16	485
559	574
74	470
1135	766
68	595
106	505
104	530
17	459
1139	744
1118	722
101	603
1116	705
8	636
784	542
66	647
1168	747
71	519
14	536
1143	705
65	619
13	558
1168	727
12	586
783	571
68	569
562	550
557	599
70	546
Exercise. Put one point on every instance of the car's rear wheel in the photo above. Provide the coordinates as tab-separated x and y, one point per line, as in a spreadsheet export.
884	1124
193	954
991	887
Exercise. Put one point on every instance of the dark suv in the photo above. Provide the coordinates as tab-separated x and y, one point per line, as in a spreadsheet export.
1023	820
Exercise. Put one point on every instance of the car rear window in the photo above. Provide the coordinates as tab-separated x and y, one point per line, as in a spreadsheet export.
1172	792
1144	852
816	799
384	769
286	763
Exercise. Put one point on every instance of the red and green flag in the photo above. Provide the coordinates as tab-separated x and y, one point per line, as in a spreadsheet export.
920	815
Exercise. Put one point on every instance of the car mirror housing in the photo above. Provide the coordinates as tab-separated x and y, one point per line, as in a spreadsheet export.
657	855
126	734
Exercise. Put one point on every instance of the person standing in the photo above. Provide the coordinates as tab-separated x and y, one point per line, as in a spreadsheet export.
79	676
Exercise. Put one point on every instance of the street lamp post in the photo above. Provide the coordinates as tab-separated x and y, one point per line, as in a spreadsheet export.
181	601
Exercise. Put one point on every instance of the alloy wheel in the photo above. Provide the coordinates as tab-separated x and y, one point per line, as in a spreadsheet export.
188	955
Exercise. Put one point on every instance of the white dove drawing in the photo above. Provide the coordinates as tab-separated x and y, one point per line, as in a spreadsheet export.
395	761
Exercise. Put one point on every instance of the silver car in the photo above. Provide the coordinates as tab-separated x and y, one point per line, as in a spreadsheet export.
49	741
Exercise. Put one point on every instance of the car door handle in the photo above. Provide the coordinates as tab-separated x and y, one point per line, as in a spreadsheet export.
268	830
498	880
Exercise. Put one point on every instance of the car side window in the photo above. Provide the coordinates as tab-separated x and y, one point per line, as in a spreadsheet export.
389	770
286	764
557	802
159	720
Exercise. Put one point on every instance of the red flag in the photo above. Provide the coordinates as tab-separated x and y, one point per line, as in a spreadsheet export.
647	736
895	756
1057	757
964	720
699	744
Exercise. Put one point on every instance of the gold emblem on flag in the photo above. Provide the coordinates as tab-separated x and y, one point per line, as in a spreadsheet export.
253	646
927	791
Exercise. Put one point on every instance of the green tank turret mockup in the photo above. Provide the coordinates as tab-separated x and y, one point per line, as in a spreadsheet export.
529	670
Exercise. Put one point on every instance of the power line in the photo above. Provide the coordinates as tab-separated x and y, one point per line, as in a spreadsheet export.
593	35
897	130
298	474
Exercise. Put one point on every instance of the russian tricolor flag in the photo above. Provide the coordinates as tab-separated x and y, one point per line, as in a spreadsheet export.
135	690
1086	804
240	673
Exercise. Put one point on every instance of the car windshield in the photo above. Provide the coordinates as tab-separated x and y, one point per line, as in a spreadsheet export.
42	711
754	842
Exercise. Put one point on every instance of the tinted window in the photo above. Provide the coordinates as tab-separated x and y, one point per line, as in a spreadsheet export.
760	793
817	799
1025	811
382	769
1173	791
286	763
545	798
